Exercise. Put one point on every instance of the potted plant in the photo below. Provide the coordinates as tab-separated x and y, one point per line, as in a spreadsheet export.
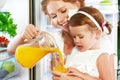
6	26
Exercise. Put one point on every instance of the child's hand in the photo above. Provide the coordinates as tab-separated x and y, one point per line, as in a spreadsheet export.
56	61
64	76
74	72
82	76
60	76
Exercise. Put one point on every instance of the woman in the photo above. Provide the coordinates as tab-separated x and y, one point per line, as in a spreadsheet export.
57	10
58	18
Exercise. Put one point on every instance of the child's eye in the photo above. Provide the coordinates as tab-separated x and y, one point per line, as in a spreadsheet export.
81	37
78	37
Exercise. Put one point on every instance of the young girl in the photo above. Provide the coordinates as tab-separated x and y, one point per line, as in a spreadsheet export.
88	59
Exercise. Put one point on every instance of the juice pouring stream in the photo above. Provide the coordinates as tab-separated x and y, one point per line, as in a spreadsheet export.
29	54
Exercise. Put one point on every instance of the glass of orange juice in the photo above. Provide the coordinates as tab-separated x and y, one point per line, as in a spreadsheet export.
29	54
58	62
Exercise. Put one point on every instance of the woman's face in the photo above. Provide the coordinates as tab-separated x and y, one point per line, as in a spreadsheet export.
58	13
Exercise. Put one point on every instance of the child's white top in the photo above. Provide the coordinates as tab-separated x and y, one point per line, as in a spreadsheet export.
85	61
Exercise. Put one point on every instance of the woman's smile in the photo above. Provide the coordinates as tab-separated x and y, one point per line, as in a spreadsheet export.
65	26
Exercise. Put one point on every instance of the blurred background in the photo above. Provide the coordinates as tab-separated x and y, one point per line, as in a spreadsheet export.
20	12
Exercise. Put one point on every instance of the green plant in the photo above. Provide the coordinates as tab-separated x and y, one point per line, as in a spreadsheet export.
6	24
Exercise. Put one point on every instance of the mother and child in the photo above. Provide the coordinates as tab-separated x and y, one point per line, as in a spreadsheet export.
80	39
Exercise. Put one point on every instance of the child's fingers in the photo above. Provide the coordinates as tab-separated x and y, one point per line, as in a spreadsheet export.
70	74
76	73
55	73
57	61
55	78
72	69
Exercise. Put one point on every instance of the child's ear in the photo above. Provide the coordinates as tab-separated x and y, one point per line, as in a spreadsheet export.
98	34
77	3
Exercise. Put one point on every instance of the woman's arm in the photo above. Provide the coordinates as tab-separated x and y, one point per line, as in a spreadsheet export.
105	64
17	40
29	32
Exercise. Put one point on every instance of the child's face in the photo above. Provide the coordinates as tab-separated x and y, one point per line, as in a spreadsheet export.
84	38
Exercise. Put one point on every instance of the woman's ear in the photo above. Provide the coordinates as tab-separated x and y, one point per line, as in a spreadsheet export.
52	23
50	20
98	34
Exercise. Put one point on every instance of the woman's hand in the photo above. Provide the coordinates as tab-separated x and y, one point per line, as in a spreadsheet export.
30	32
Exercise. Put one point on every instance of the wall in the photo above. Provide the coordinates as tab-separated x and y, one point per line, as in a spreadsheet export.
20	12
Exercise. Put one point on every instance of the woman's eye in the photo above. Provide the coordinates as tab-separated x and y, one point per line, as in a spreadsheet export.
74	36
54	16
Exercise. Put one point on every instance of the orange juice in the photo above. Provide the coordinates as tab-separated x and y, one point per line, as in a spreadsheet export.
28	56
60	69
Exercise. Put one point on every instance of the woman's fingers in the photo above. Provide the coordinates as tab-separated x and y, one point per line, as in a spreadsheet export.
34	30
30	32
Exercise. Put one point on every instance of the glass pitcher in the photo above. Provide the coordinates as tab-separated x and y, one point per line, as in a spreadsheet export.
29	54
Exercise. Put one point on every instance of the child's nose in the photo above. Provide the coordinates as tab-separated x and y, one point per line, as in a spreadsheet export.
77	39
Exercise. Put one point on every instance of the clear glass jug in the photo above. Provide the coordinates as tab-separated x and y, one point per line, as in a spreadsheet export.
29	54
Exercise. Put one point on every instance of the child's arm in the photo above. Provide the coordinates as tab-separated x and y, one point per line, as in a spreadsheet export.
76	73
64	76
105	64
